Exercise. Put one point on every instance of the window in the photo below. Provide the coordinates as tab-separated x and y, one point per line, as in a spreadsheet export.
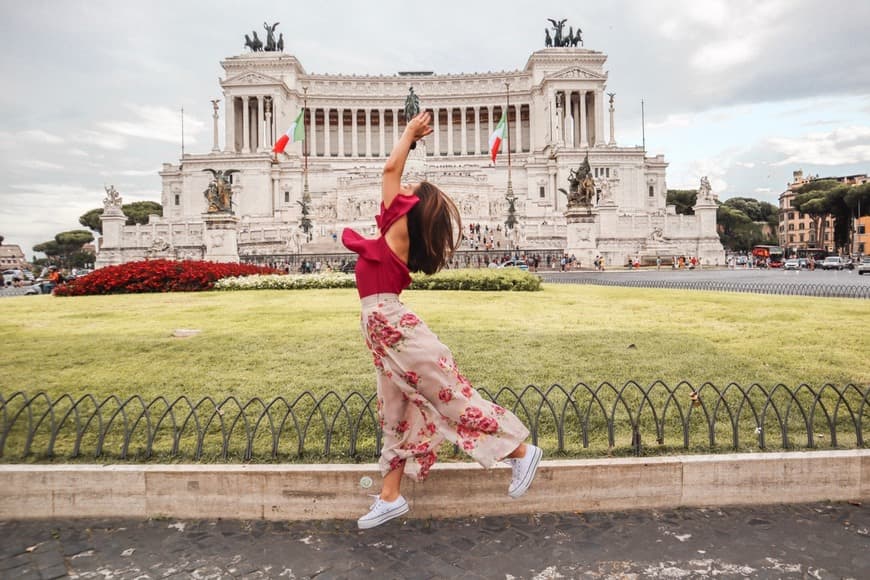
542	191
791	237
801	237
177	199
791	227
286	197
596	172
791	215
861	229
801	226
607	172
652	191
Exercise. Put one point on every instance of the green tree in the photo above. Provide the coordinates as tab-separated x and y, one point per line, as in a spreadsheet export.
91	220
683	200
136	213
813	200
757	211
737	231
63	250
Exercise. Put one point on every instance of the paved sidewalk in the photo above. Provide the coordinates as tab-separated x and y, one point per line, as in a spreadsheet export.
806	541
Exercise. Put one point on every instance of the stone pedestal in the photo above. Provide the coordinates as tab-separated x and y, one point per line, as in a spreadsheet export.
415	164
582	234
221	237
109	254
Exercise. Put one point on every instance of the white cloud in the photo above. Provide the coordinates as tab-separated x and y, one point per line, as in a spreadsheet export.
37	165
762	190
158	123
746	164
40	136
101	140
718	57
842	146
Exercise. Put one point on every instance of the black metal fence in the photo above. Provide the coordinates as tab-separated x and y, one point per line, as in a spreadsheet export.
332	426
781	288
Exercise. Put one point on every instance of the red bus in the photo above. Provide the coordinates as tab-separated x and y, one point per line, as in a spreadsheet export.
767	256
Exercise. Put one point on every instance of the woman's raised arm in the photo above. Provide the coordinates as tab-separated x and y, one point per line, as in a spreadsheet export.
417	128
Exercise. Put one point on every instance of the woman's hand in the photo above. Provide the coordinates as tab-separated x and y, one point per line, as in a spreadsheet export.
419	127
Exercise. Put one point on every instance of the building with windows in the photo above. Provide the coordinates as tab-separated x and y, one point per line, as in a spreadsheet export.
799	231
558	116
11	257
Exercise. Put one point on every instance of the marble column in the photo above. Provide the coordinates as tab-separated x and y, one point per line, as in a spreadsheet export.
463	132
261	124
368	132
436	130
381	132
246	126
340	131
612	138
354	133
395	128
584	136
599	117
216	146
269	139
327	138
450	131
477	130
230	118
491	124
312	133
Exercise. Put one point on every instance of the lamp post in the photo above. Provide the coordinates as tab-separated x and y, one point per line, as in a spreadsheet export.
305	222
510	197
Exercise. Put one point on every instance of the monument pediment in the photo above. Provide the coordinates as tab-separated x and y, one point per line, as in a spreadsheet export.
576	72
250	78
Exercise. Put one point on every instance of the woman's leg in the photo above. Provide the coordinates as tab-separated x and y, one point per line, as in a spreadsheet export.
391	489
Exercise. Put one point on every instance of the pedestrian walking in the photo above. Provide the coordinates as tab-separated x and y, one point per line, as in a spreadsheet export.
422	398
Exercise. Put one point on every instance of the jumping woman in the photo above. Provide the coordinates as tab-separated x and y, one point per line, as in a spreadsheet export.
422	397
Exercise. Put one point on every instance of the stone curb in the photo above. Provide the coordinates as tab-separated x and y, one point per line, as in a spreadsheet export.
319	492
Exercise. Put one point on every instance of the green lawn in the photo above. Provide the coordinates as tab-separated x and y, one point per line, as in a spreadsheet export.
271	344
268	343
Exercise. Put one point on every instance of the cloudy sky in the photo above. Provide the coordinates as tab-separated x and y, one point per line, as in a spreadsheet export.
743	91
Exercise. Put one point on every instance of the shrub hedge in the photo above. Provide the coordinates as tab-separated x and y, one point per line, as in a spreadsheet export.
484	279
156	276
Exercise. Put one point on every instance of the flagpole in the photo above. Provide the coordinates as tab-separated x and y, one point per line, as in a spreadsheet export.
306	196
510	197
305	142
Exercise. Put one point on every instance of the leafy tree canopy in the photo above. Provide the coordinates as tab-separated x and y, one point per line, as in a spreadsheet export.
74	239
137	212
683	200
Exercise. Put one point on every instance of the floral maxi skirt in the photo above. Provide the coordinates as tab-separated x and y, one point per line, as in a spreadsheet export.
423	398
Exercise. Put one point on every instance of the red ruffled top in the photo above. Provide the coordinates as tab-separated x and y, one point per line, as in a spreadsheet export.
379	270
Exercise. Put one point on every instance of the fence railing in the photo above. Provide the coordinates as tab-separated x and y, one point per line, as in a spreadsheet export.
605	418
821	290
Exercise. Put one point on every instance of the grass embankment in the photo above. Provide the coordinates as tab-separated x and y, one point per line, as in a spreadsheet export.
280	343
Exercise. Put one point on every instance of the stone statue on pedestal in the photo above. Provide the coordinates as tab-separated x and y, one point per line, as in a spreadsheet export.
412	108
113	199
581	187
219	193
705	191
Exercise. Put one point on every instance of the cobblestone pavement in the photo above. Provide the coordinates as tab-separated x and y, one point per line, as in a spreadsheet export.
798	541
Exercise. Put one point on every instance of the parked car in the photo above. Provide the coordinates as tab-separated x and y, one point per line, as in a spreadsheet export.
833	263
793	264
864	266
515	264
803	263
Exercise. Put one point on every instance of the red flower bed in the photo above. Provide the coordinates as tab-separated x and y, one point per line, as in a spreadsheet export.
156	276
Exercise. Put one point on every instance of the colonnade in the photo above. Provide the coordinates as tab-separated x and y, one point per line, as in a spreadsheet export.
372	131
579	118
250	123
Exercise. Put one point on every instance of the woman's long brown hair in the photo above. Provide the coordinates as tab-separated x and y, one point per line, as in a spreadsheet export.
430	228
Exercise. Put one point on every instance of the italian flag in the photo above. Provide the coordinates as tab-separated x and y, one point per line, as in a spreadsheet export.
296	132
497	135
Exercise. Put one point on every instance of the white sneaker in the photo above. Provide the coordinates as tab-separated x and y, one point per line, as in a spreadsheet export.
524	470
383	511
